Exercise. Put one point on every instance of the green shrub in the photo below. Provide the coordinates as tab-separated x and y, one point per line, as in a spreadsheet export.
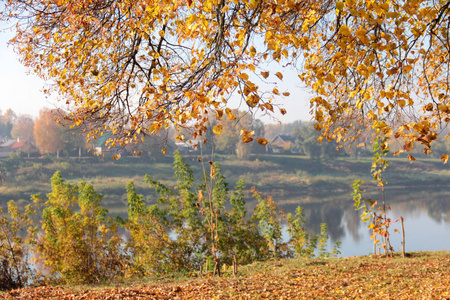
79	247
17	235
211	227
193	227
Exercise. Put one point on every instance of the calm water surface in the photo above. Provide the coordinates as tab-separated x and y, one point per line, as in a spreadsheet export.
426	220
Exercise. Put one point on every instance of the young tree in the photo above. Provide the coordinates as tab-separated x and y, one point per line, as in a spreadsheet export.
82	246
48	133
137	66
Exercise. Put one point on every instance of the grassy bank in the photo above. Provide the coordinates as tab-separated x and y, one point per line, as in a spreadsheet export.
421	275
287	177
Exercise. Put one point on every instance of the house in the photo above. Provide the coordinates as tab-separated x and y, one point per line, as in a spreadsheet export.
283	143
99	146
11	145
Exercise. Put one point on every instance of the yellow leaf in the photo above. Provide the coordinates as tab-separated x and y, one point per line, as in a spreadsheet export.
407	68
275	91
253	4
247	139
243	76
408	146
444	158
318	126
230	114
401	103
387	130
217	129
269	106
265	74
262	141
282	111
201	196
344	30
279	75
252	51
398	152
339	5
286	94
411	158
252	100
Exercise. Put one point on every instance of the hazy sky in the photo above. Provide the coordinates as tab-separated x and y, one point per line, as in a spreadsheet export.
19	91
22	92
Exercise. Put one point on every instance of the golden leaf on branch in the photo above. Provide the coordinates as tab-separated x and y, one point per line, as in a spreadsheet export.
262	141
217	129
444	158
137	67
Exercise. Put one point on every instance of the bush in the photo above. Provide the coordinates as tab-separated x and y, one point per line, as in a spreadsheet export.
193	227
15	251
208	235
81	247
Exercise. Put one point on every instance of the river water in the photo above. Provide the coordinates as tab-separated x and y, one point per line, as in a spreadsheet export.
426	221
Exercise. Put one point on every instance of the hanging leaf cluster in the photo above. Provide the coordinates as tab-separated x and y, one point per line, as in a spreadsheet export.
134	67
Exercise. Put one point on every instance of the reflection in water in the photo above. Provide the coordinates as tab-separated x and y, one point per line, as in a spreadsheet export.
426	215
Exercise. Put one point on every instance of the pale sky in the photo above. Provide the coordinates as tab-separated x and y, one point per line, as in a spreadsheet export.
22	92
18	90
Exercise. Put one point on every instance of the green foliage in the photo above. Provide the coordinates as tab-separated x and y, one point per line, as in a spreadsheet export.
16	155
192	227
379	164
209	227
306	140
380	222
270	221
359	202
149	244
303	244
80	247
17	235
322	241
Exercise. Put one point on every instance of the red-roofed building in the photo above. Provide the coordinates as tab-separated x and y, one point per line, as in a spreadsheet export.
16	145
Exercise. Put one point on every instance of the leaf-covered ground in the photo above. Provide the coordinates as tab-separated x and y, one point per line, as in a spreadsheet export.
424	275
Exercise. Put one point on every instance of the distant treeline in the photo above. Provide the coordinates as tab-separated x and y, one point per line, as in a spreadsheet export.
44	135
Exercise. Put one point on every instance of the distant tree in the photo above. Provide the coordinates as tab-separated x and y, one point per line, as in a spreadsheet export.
256	128
153	144
133	67
9	117
48	133
440	147
228	138
75	139
23	129
273	130
7	121
306	139
234	125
